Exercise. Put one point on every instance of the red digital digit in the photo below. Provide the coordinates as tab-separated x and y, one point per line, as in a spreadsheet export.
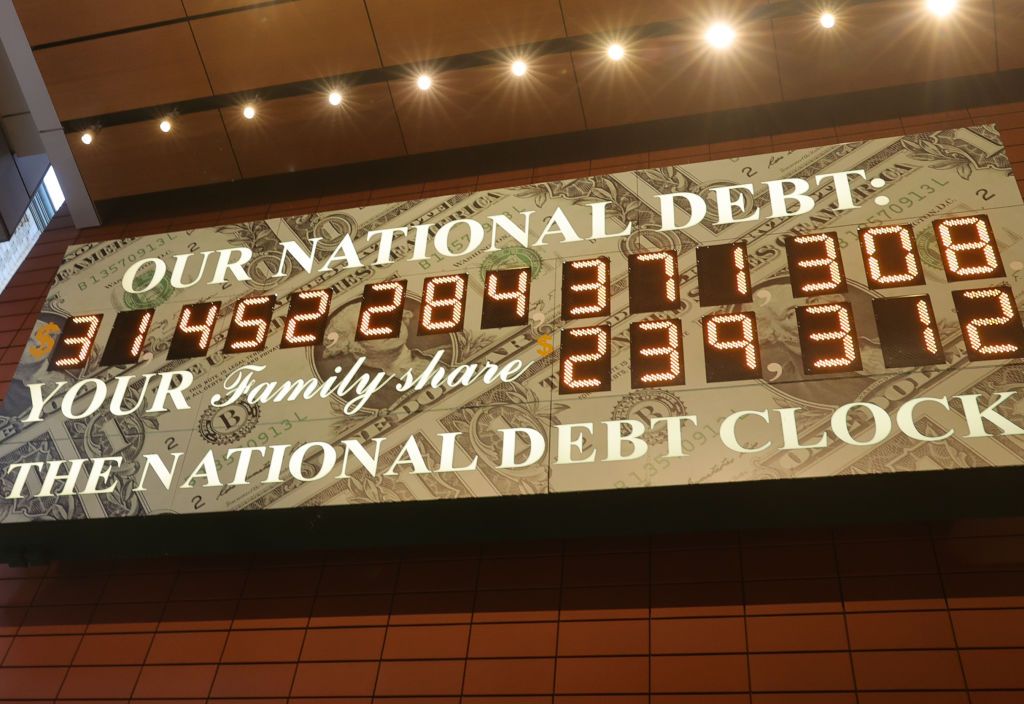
585	360
653	282
76	341
723	277
250	324
194	331
307	318
828	338
968	248
907	331
656	353
506	298
380	313
124	344
586	288
731	349
444	304
990	323
815	265
890	256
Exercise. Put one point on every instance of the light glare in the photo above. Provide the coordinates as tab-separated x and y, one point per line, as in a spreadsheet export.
616	52
423	82
827	20
334	98
941	8
720	35
518	67
165	125
87	138
248	112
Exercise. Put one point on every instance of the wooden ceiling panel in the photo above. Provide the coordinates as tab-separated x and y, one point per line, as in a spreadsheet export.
884	44
132	70
676	76
138	158
47	21
291	41
489	104
612	17
409	31
306	132
201	7
1010	33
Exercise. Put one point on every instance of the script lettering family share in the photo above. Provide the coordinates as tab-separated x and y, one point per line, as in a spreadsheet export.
834	310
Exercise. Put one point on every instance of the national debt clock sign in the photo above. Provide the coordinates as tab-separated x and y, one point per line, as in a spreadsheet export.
849	309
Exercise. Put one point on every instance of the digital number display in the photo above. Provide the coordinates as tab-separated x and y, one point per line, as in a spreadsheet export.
990	323
815	265
907	331
307	318
380	313
124	345
194	331
653	282
890	256
250	324
968	248
731	348
506	298
828	338
656	353
444	304
586	288
76	340
723	271
585	360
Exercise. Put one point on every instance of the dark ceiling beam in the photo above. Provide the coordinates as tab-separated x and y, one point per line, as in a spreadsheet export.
582	42
743	123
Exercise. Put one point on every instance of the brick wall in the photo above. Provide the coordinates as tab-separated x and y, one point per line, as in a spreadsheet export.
910	614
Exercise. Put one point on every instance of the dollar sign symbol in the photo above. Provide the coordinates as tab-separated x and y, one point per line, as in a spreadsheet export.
43	338
544	346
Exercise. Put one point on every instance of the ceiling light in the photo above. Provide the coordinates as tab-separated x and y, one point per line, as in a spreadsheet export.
616	52
165	125
334	98
249	112
941	8
827	20
87	138
518	67
720	35
423	82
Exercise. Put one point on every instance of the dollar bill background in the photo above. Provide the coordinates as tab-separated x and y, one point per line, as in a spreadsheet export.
928	176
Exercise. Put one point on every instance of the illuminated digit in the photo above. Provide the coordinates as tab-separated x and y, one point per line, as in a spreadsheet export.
973	327
746	343
979	250
577	351
505	305
658	364
723	275
194	331
928	336
907	332
381	321
307	309
124	345
455	303
802	278
841	332
586	278
72	350
905	272
241	322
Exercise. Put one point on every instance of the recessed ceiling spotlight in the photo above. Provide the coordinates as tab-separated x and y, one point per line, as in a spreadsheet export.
616	52
423	81
827	20
165	125
720	35
248	112
334	98
87	138
941	8
518	67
